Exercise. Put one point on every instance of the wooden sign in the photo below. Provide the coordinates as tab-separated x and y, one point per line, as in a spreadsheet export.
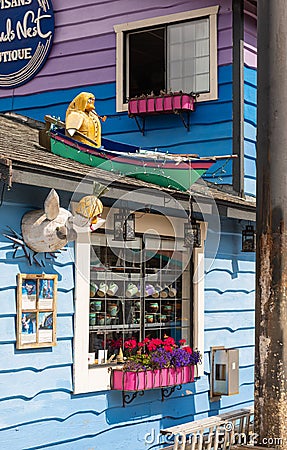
36	310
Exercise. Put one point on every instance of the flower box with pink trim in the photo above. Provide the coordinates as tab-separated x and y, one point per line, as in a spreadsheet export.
151	379
152	364
166	103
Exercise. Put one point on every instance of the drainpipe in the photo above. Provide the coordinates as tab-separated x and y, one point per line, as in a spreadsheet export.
271	261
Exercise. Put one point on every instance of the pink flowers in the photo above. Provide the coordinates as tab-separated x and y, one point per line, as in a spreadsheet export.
187	349
168	343
153	344
115	343
131	344
159	353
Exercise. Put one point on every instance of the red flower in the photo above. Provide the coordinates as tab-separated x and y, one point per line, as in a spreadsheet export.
157	342
187	349
169	341
151	346
131	344
115	343
143	343
168	348
182	341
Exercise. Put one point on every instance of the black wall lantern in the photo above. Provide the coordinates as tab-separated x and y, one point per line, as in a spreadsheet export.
192	234
249	239
124	227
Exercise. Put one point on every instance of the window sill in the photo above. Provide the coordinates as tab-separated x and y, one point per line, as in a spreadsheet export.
111	365
95	378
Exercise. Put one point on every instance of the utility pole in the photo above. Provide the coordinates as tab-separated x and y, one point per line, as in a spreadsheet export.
271	260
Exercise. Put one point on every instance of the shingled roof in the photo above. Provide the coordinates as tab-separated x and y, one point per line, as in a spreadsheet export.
19	144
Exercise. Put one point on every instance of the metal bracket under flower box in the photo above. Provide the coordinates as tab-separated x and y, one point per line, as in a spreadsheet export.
174	103
133	384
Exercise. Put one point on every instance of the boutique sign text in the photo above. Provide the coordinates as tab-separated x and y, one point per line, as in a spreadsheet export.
26	36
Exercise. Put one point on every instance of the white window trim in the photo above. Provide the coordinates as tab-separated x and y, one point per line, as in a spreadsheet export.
98	379
198	298
171	18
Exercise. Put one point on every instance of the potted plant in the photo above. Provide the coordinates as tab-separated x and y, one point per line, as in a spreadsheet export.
155	363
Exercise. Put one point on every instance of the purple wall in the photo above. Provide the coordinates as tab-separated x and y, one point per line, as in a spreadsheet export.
250	34
84	46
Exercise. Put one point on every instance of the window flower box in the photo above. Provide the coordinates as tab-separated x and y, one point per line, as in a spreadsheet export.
173	103
166	103
154	363
151	379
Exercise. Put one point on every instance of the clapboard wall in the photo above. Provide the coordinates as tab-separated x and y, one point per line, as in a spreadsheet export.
37	407
83	57
250	97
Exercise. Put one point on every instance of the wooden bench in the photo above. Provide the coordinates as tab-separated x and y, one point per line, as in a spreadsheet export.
213	433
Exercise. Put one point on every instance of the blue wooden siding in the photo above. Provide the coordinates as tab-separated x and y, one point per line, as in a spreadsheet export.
31	379
37	407
250	97
83	58
210	123
230	305
250	121
210	131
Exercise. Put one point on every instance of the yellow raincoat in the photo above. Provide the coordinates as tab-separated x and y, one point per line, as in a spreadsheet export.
81	116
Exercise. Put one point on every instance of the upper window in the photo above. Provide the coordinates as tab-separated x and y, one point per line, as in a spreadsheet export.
183	56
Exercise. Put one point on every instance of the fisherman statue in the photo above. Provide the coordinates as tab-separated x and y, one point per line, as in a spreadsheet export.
82	121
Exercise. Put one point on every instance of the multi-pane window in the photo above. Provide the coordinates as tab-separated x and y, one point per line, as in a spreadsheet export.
168	54
152	286
137	292
179	60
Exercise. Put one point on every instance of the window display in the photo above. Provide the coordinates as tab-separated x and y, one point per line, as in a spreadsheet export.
137	289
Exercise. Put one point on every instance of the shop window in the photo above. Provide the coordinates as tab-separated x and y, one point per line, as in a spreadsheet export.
143	288
137	291
183	56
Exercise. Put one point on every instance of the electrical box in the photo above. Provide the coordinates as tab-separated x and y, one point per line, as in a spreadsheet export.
224	371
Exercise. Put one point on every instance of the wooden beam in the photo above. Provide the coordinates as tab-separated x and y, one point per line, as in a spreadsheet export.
6	171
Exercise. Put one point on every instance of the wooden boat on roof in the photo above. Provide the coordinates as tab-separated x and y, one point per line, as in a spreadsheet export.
166	170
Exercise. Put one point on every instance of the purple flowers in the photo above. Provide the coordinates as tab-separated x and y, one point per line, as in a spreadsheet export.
134	366
181	358
160	358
